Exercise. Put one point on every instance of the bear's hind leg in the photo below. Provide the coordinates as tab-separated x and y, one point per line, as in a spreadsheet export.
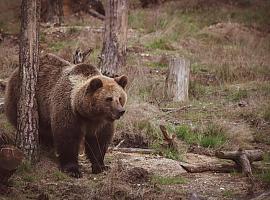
96	146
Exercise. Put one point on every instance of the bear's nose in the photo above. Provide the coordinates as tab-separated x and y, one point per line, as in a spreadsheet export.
122	112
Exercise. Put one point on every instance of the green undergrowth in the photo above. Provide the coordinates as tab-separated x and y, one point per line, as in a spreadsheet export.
168	180
210	136
264	175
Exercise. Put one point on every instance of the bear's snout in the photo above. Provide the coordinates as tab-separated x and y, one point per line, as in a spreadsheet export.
120	112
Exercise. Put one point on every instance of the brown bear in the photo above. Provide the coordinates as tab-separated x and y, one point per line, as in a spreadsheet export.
74	101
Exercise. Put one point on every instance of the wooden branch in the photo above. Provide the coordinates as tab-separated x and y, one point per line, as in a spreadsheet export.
95	14
252	155
216	167
119	144
169	139
262	196
133	150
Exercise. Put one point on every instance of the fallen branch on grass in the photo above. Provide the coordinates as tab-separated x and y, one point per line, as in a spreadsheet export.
242	158
133	150
170	140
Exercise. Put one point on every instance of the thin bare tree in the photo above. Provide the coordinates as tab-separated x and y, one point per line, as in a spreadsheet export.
27	122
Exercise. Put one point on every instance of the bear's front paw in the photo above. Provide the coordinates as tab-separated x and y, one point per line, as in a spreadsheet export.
72	170
96	169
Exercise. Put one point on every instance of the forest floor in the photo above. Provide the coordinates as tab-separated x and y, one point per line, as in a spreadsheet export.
229	107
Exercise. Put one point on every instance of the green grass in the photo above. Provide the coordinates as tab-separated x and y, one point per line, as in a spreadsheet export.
59	176
157	65
228	193
57	46
265	174
159	43
168	180
211	136
238	95
26	172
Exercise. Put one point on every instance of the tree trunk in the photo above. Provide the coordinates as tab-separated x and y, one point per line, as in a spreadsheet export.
27	126
52	11
178	79
113	55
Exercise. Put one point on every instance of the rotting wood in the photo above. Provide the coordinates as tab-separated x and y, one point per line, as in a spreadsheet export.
10	159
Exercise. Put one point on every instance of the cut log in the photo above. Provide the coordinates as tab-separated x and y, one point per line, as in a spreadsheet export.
10	159
177	79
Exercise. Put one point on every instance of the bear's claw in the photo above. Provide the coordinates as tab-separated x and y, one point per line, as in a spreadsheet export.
98	169
72	170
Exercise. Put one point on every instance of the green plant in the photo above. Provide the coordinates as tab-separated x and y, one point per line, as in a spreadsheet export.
228	193
168	180
59	176
239	95
213	136
160	43
184	132
25	167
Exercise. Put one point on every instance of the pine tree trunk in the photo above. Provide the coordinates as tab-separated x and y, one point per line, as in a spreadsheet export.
177	80
27	126
113	55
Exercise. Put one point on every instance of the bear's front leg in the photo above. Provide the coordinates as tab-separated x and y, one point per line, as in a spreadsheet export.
96	146
68	147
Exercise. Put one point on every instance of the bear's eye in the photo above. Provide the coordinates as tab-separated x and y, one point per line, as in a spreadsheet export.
108	99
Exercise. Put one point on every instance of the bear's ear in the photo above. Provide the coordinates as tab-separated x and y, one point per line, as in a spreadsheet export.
94	84
122	81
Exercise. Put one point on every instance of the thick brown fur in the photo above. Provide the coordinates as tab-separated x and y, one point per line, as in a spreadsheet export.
74	101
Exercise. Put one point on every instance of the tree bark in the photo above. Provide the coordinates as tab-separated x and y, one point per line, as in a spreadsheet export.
52	11
27	122
113	55
177	80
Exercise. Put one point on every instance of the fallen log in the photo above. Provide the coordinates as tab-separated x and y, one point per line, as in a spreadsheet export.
214	167
242	158
133	150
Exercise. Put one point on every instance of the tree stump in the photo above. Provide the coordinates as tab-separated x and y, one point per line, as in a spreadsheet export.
177	80
10	159
113	55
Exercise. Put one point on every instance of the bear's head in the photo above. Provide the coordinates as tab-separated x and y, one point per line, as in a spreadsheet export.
103	98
